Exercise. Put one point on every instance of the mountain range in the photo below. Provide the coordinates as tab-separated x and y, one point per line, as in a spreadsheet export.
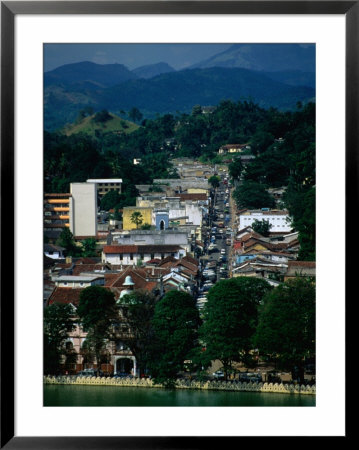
271	75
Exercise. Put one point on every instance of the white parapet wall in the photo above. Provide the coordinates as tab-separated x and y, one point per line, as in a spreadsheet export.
185	384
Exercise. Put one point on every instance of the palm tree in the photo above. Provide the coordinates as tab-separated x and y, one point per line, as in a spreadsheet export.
136	218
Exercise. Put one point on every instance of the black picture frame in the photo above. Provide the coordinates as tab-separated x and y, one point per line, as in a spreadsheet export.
9	9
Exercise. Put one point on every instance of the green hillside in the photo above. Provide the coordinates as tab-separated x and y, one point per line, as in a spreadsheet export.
89	125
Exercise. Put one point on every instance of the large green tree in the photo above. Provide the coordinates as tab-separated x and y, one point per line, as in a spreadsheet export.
66	240
137	310
110	200
58	323
253	195
262	227
286	326
230	319
97	312
214	181
89	247
175	324
235	169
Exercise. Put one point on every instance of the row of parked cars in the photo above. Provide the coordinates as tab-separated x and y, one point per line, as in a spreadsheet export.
100	373
244	377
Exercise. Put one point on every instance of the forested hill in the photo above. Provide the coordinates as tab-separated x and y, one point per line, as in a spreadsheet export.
169	93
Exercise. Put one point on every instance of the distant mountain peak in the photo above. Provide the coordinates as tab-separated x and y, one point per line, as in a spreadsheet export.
152	70
105	75
264	57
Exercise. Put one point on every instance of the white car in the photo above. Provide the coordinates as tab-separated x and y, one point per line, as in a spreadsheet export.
223	251
219	375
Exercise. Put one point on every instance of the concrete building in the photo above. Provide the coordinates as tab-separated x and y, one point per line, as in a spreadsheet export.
135	254
153	237
279	219
182	185
105	185
233	148
56	215
83	210
79	281
146	213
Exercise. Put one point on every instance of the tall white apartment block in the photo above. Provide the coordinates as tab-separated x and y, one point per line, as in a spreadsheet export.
279	219
83	209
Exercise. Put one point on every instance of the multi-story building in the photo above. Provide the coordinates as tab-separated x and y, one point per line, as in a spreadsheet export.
279	219
105	185
56	214
135	254
76	210
83	210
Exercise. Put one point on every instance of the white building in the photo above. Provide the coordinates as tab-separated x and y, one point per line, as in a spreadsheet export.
153	237
278	219
79	281
105	185
83	210
134	254
53	251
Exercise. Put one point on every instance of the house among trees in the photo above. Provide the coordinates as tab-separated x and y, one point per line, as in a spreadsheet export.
232	148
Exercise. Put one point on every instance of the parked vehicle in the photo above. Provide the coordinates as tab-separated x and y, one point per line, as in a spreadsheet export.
250	377
90	373
123	375
219	375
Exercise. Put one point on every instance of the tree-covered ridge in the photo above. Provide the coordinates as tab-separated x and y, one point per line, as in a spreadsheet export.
169	93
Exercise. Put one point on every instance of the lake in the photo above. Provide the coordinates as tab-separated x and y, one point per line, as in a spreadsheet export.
77	395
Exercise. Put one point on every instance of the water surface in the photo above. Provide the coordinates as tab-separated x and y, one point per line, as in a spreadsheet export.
62	395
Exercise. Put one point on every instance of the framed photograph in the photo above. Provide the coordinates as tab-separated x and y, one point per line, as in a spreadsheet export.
30	31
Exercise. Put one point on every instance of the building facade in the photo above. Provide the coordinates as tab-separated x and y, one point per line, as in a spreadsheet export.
278	219
105	185
83	209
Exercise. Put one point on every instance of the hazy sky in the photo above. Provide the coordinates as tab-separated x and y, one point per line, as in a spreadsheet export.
131	55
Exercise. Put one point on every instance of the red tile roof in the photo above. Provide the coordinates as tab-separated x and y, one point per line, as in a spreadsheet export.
191	259
118	249
197	196
86	260
138	276
303	264
65	295
168	259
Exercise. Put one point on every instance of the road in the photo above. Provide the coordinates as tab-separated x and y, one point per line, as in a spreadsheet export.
220	212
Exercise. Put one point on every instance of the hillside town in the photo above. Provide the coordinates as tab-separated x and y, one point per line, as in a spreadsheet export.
186	235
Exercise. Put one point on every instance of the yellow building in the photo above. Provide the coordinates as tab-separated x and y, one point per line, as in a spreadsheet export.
129	210
197	191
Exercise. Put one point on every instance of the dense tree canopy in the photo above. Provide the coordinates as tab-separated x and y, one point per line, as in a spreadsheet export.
137	310
286	326
175	323
253	195
97	312
230	319
58	323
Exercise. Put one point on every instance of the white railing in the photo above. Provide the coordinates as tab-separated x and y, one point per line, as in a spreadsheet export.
185	384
